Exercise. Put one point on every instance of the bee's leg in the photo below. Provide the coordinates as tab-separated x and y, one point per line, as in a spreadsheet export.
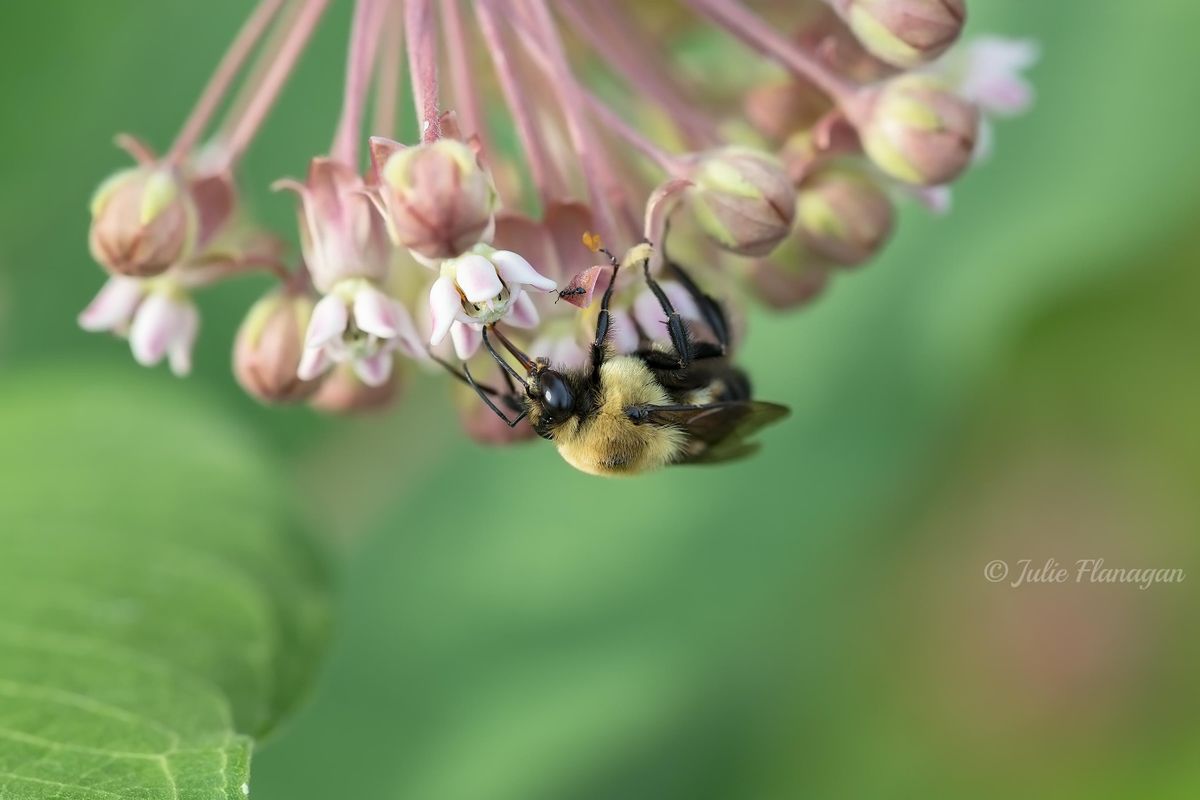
710	309
599	343
512	399
505	367
479	390
680	340
457	373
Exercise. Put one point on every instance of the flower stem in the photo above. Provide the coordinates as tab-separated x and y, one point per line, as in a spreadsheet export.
267	55
360	58
387	74
466	92
610	119
248	36
259	104
629	53
759	35
420	31
208	274
602	191
547	179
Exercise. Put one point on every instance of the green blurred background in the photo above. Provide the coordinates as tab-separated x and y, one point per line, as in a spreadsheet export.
1017	381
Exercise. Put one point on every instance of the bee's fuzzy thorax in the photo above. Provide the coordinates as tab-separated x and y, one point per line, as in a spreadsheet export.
606	441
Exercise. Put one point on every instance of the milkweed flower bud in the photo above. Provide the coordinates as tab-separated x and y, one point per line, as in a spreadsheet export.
918	131
341	235
343	392
438	200
904	33
742	199
143	221
269	345
156	315
777	110
357	322
843	215
786	287
480	288
791	277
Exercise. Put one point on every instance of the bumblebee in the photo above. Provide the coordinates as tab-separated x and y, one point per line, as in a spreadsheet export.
629	414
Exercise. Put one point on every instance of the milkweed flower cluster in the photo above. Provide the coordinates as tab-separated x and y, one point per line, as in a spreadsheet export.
768	165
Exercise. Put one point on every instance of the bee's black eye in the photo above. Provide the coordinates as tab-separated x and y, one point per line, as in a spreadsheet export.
556	395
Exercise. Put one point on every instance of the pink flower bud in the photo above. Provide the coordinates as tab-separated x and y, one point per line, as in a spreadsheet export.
269	344
341	234
343	392
917	131
438	199
143	221
843	215
905	33
792	278
777	110
742	199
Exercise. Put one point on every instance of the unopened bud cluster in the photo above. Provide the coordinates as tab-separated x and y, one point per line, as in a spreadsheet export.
775	180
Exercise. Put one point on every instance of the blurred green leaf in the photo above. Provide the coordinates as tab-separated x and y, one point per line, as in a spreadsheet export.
158	611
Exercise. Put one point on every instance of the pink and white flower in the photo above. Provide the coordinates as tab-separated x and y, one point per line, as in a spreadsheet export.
480	288
358	322
156	315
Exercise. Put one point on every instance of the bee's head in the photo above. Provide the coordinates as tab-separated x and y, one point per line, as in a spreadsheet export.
550	391
551	398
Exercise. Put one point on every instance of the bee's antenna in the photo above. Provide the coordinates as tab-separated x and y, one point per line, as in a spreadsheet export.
525	360
460	375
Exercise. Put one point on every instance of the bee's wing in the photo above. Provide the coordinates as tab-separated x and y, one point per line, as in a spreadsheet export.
718	431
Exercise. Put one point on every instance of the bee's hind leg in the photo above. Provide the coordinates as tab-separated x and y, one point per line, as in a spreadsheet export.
710	310
686	350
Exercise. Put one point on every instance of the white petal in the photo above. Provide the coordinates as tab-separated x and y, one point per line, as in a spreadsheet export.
477	278
374	370
179	352
313	363
466	340
407	338
444	305
517	271
375	312
522	313
155	325
113	305
329	319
